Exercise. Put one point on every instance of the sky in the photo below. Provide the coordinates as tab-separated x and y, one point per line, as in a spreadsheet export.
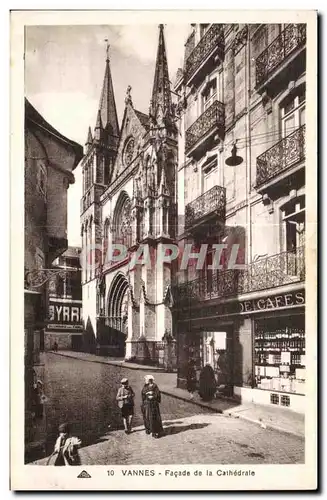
64	71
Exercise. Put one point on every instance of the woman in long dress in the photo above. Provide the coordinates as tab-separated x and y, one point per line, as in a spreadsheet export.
207	383
151	398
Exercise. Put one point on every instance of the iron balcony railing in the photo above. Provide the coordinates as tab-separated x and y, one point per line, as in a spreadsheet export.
293	36
213	38
212	119
212	201
270	272
281	156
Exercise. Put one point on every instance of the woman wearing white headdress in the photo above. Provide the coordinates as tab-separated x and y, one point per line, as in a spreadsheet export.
151	398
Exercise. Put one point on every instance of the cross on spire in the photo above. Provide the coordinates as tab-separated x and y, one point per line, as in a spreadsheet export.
107	114
107	47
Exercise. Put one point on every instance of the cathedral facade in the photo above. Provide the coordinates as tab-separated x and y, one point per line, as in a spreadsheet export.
128	218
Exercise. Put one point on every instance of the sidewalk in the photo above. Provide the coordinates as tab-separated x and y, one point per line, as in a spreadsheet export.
85	356
37	431
279	419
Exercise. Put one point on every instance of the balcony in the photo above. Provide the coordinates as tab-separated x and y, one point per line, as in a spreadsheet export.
210	203
211	43
270	272
212	121
286	44
274	162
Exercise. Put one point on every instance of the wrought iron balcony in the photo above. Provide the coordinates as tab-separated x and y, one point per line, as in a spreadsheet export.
212	201
212	40
293	37
281	156
270	272
212	120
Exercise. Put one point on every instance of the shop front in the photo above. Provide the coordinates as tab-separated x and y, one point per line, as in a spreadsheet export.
65	325
211	343
256	346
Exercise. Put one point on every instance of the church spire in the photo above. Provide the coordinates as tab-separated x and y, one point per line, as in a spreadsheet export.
161	97
89	137
98	127
89	141
107	105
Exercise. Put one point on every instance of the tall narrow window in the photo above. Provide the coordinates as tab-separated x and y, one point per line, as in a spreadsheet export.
293	112
209	175
60	286
209	94
293	216
42	180
203	29
122	229
69	284
259	40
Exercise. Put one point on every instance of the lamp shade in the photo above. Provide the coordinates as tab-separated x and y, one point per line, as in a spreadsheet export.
234	160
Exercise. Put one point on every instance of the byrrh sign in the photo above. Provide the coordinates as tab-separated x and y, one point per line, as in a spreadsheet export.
65	315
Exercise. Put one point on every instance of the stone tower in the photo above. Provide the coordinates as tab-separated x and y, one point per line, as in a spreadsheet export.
97	167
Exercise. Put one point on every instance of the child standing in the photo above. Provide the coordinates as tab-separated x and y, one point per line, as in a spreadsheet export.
66	447
125	398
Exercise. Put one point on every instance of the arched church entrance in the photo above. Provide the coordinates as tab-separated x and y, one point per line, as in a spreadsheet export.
116	316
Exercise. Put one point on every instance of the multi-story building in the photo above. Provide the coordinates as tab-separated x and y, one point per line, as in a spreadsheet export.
241	181
65	322
129	198
50	159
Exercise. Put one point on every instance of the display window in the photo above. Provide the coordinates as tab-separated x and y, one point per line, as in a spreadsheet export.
279	354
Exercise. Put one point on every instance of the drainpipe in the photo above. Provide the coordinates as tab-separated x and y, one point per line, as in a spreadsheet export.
248	150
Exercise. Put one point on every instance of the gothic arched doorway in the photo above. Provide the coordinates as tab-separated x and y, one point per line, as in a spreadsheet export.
116	317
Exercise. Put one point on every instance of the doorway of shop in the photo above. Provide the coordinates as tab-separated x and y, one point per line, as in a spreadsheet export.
77	342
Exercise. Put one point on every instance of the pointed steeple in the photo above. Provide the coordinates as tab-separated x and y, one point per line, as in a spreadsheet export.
89	137
107	105
98	127
161	97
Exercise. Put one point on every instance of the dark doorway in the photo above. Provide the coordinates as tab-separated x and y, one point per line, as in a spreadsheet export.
42	341
77	342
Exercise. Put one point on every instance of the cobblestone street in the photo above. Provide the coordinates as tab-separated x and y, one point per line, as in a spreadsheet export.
83	393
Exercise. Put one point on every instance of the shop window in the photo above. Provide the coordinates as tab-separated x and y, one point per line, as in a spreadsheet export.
279	354
285	401
274	399
293	111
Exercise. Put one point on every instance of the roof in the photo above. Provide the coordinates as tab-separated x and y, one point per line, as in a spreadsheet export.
161	96
144	119
33	116
107	106
72	252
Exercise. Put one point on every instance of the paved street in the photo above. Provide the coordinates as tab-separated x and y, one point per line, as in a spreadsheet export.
83	393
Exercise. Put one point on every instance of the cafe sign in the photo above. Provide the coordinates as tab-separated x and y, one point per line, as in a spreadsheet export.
273	302
261	304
